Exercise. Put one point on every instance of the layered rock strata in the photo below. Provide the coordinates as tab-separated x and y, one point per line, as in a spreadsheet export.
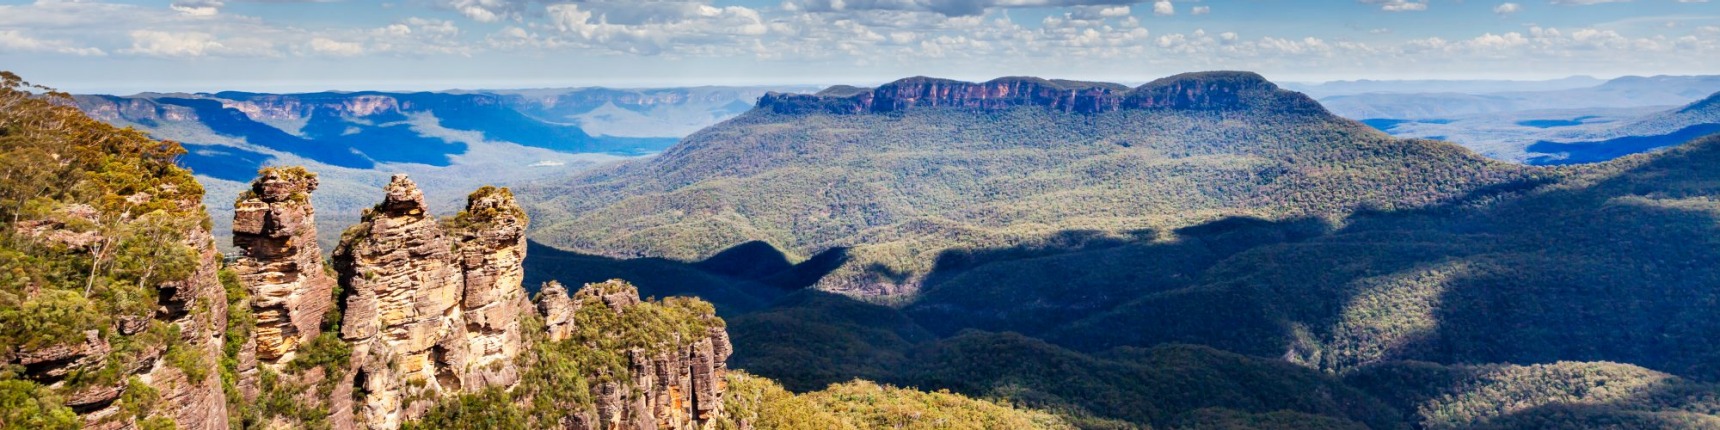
430	312
492	251
1212	91
274	226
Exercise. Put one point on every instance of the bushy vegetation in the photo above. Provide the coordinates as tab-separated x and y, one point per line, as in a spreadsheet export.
755	402
95	221
558	377
286	173
488	214
860	404
1567	394
26	405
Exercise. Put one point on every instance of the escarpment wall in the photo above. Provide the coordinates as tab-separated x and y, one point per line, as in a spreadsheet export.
1208	91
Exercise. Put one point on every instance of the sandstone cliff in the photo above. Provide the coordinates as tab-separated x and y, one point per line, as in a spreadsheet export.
430	311
402	310
1214	91
492	251
154	356
281	266
116	314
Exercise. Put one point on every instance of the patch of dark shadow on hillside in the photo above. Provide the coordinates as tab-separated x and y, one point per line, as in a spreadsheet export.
743	278
1071	275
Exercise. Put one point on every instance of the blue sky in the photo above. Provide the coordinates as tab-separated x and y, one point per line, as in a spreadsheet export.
125	46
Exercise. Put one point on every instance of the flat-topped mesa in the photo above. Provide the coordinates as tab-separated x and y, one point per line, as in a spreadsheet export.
1206	91
491	234
281	266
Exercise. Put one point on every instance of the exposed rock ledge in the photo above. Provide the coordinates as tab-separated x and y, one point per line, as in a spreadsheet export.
1206	91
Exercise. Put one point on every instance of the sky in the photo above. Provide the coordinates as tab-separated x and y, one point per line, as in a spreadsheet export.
128	46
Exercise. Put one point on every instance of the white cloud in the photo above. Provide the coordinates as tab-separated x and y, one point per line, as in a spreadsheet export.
338	48
1088	36
166	44
197	7
948	7
1164	7
1090	13
487	10
652	31
1399	5
14	41
1585	2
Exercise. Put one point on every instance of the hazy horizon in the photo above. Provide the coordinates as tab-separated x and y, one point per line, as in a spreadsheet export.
315	45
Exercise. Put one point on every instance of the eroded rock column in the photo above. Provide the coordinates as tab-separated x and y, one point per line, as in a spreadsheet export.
403	316
281	265
492	250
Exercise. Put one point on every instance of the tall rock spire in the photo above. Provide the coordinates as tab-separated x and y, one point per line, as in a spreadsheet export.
492	252
281	265
431	310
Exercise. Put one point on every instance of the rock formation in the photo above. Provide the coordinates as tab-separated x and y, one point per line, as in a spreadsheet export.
429	311
672	387
1190	91
195	307
281	266
183	391
492	251
402	310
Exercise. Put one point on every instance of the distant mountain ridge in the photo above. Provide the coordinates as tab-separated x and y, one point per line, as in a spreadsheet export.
1191	91
356	130
1648	133
1629	91
1365	86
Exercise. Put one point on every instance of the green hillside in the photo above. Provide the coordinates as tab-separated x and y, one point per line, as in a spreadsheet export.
900	188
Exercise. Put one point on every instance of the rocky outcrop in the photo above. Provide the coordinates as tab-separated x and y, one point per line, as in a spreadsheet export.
430	311
557	310
188	312
193	396
492	251
1214	91
678	386
402	310
274	225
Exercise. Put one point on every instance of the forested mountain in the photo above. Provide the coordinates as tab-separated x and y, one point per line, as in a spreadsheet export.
909	175
1244	263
